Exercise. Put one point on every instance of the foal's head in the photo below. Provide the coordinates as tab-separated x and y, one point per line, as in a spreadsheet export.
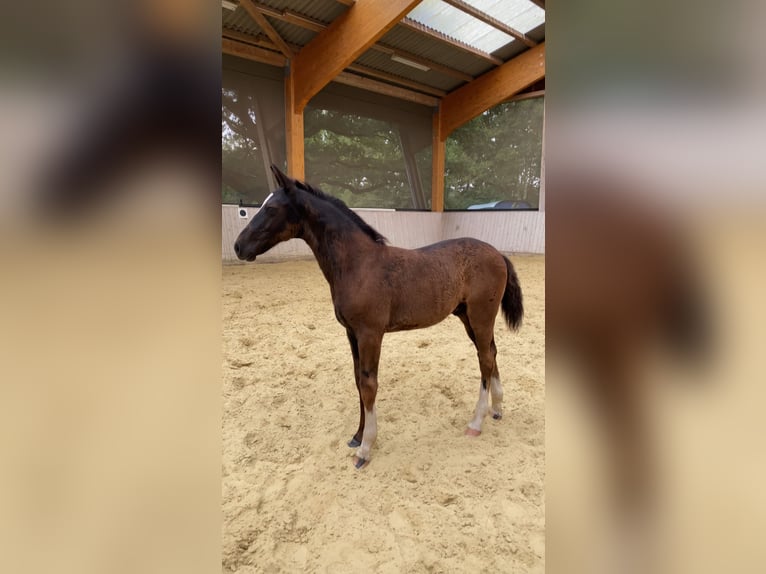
284	212
277	220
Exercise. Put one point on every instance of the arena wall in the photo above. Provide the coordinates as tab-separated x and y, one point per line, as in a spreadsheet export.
508	231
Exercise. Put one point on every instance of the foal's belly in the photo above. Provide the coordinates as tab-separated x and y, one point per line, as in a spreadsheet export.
422	311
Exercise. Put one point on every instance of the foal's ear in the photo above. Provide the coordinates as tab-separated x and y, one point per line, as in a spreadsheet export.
303	185
282	180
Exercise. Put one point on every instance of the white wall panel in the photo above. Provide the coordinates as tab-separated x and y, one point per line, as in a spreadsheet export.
509	231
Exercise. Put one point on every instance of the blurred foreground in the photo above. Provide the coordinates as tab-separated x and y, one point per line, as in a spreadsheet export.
110	329
655	268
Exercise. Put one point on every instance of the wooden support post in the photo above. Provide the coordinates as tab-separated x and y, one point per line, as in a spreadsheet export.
296	167
437	174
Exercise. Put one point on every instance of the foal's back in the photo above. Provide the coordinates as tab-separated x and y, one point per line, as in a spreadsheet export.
423	286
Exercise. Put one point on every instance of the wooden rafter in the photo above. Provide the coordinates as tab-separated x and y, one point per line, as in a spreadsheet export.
386	89
430	32
251	52
540	3
336	47
435	66
301	21
266	26
526	96
249	48
491	88
259	40
247	38
494	22
393	78
307	23
265	42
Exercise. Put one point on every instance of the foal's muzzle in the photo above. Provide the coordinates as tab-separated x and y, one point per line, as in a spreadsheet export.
240	251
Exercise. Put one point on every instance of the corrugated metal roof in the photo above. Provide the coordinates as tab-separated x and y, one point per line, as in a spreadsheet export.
459	25
240	21
383	62
406	39
522	15
292	34
323	10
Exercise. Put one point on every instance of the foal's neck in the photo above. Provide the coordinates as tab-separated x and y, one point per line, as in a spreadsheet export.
337	242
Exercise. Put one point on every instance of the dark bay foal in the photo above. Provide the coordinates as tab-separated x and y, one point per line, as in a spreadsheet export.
377	288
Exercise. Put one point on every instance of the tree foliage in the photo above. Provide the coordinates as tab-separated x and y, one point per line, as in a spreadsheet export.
362	160
358	159
244	173
496	156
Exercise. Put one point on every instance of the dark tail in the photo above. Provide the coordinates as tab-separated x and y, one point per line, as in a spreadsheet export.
513	306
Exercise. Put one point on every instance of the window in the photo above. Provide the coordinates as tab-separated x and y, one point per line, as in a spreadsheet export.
368	149
493	161
252	132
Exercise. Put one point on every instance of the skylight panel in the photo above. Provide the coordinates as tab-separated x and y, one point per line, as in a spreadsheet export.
521	15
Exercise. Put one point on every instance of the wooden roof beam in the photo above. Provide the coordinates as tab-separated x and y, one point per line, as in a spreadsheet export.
296	19
265	42
316	26
250	52
342	42
386	89
246	38
394	79
494	22
540	3
254	12
490	89
435	66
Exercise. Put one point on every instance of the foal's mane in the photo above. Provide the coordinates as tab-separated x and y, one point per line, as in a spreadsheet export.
344	209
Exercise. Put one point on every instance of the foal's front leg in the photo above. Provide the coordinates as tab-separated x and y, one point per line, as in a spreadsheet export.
369	356
356	440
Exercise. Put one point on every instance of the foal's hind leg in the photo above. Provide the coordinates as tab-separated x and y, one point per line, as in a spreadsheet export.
480	328
495	387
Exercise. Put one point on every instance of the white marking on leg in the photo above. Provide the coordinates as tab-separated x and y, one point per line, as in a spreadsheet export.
369	434
497	396
267	199
482	407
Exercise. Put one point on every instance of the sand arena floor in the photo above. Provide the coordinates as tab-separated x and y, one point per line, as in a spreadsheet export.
431	499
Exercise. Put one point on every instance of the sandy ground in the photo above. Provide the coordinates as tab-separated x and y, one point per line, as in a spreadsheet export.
431	499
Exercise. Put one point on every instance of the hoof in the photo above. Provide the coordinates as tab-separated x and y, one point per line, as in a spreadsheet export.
353	443
472	432
359	462
497	416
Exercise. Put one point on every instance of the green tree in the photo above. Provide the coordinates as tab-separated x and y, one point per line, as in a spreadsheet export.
244	174
496	156
358	159
363	160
